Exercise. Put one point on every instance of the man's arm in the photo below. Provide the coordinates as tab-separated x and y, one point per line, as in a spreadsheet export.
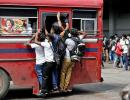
30	41
59	21
62	33
67	26
36	40
82	33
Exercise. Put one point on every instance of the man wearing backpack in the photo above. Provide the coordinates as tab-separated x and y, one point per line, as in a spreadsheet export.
70	56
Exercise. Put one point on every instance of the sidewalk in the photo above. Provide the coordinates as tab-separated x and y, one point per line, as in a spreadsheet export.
115	75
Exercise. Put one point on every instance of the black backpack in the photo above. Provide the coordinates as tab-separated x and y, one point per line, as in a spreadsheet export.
74	50
78	50
59	46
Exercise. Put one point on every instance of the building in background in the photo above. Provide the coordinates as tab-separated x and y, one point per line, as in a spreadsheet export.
116	17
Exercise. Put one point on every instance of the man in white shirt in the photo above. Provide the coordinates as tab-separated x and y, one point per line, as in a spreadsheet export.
124	43
49	62
40	62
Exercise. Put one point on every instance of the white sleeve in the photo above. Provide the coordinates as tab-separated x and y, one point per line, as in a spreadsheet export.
43	44
127	42
81	37
33	45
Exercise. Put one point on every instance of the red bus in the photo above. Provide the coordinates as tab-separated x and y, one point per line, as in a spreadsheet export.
17	61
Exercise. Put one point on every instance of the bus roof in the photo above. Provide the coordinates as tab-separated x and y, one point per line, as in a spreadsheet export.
54	3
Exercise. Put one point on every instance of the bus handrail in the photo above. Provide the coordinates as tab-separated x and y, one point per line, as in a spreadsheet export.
17	59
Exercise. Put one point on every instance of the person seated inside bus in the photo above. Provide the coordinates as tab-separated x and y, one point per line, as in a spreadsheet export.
28	30
40	58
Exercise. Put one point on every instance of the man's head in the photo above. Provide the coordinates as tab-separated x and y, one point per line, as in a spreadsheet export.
41	35
74	32
56	28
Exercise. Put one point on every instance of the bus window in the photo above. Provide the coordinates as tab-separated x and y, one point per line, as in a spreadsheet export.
85	20
49	18
18	21
49	21
76	23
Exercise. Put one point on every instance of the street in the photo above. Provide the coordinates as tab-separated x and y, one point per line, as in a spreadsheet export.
114	81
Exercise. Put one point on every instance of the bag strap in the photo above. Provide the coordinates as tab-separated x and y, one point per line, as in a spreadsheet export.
51	47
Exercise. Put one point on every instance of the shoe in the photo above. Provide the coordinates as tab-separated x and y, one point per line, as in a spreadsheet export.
55	90
68	90
41	94
61	90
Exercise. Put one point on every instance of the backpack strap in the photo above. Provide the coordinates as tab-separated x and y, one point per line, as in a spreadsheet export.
76	43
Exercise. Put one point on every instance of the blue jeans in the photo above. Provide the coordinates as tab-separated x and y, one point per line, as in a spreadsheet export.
55	77
117	57
39	70
125	61
112	55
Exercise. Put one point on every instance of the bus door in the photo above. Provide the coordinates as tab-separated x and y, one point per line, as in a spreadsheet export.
88	69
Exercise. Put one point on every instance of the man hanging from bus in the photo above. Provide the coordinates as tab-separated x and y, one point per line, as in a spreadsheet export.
40	57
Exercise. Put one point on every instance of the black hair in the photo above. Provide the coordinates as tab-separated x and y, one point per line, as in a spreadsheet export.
124	36
56	28
11	21
118	40
41	35
74	32
50	36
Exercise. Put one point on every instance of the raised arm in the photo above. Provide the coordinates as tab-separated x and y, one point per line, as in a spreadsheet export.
46	32
67	26
59	21
36	40
60	24
62	33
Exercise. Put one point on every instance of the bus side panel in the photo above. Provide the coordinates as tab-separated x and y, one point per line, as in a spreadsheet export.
86	71
18	60
21	72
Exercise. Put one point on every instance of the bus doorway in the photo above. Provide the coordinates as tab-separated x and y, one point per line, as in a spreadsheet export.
48	16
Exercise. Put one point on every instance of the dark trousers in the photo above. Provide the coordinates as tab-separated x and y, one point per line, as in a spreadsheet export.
47	76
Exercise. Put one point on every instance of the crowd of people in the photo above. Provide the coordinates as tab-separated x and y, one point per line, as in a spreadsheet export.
116	50
53	63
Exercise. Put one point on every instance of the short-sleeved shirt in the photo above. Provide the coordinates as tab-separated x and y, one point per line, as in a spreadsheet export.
39	51
124	44
49	56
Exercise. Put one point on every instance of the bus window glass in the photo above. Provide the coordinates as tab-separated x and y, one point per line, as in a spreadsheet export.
88	26
18	21
84	14
85	20
49	19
